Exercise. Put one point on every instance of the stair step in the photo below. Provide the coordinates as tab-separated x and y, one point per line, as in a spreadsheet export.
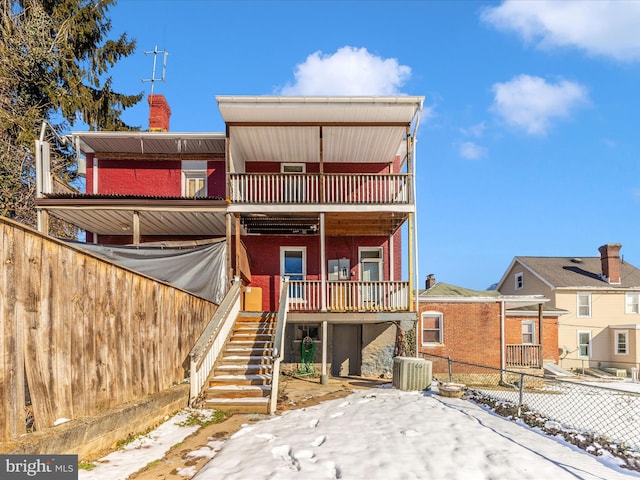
257	329
247	369
244	359
237	391
245	342
248	379
255	400
265	352
251	335
239	405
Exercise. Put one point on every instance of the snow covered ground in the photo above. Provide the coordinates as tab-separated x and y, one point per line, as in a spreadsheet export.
380	433
606	408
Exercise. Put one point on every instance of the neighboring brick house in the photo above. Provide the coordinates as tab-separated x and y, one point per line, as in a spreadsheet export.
602	298
486	328
314	189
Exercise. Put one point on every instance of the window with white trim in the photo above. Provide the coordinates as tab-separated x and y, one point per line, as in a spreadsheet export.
621	339
584	304
194	178
293	264
431	328
292	167
528	332
632	303
584	343
519	281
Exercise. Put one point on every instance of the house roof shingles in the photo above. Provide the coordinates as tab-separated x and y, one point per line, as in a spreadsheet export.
571	272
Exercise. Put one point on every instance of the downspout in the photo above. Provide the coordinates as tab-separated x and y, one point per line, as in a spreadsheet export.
415	214
324	379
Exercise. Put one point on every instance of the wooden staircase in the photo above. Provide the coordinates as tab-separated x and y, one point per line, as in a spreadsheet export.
241	378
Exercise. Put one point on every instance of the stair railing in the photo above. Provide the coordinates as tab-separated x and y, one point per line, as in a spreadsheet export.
212	339
278	343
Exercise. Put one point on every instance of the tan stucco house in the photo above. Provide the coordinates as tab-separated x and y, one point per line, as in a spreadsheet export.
602	298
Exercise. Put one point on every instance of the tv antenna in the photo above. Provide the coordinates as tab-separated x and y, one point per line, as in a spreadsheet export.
153	78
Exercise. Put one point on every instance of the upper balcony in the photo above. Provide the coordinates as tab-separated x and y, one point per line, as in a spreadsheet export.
335	189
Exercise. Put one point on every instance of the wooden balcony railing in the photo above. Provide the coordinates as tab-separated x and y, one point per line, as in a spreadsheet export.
346	296
524	356
256	188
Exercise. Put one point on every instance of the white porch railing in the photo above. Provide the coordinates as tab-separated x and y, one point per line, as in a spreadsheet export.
529	356
346	296
300	188
210	343
278	345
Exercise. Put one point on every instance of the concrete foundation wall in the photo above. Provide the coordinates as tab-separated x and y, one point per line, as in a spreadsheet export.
88	436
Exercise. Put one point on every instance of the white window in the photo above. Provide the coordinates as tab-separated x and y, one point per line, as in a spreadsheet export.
519	281
621	339
292	167
632	303
431	328
528	332
194	178
584	343
293	264
584	304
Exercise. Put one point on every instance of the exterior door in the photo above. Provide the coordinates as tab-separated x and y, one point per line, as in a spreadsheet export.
293	264
370	271
347	347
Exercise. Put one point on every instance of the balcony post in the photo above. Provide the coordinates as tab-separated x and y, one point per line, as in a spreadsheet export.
323	267
323	376
540	320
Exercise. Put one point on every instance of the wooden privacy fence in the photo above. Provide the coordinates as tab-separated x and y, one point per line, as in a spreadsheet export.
80	334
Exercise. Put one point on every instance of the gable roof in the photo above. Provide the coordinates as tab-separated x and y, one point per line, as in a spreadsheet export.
441	289
572	272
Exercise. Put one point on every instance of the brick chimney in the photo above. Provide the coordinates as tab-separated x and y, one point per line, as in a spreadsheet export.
610	260
159	113
431	281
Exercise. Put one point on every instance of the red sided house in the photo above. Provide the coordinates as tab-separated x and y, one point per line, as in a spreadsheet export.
310	196
513	332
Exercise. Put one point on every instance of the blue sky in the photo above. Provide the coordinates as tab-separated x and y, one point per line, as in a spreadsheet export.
530	136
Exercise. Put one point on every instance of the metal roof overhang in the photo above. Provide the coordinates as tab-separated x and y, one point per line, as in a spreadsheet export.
156	216
304	129
148	143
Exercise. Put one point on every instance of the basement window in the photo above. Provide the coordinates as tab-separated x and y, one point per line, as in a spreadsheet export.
307	330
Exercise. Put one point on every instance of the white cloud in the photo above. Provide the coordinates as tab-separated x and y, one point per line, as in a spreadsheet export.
472	151
606	28
348	71
475	130
531	103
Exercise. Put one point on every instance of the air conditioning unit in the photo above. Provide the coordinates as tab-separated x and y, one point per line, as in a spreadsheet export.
412	373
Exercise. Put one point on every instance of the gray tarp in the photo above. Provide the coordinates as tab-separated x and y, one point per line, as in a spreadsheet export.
198	269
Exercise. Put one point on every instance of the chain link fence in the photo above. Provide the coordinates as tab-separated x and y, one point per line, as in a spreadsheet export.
588	416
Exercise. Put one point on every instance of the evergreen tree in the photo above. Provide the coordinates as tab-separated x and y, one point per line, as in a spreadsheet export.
54	63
